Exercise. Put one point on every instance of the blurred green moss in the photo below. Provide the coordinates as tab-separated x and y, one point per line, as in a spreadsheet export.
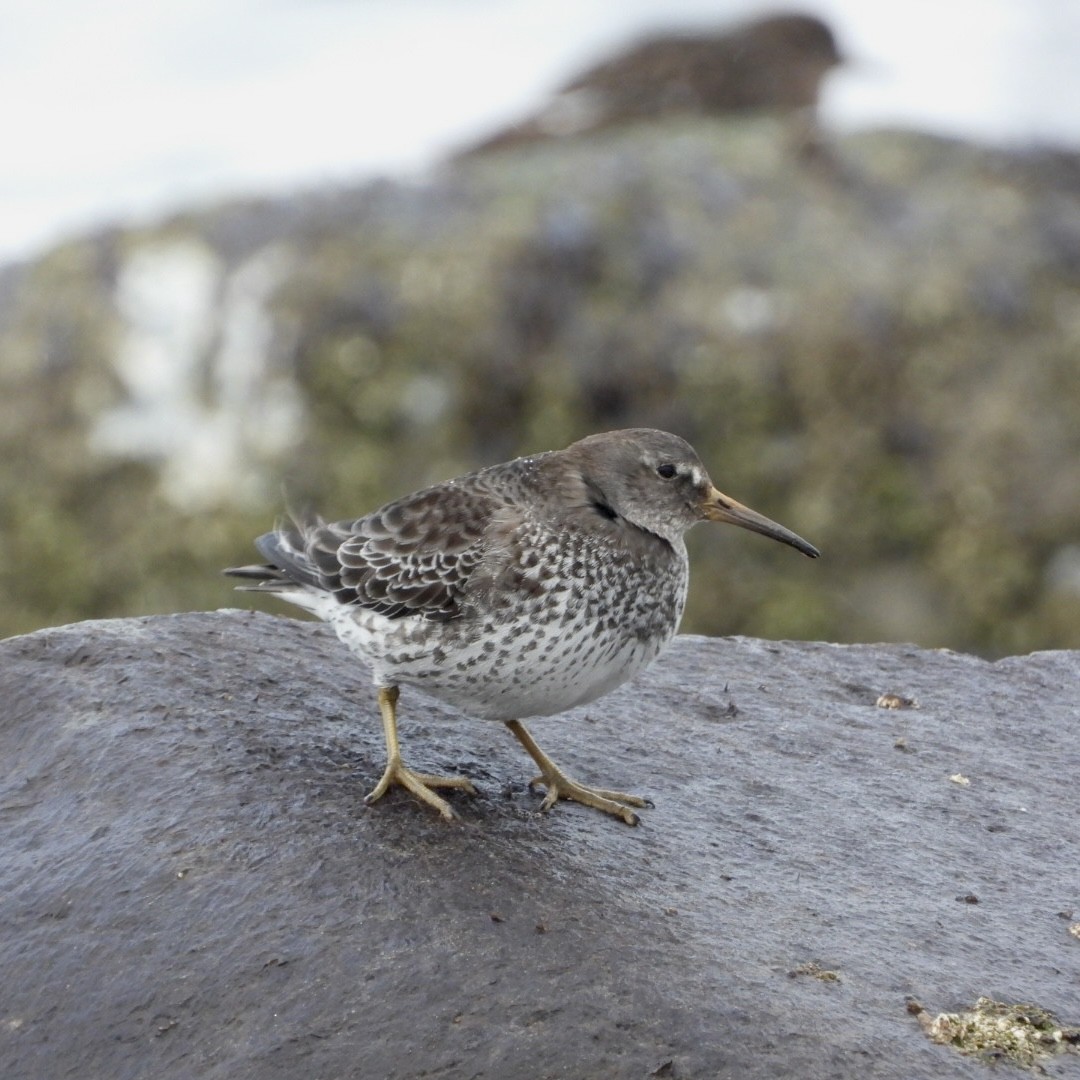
881	352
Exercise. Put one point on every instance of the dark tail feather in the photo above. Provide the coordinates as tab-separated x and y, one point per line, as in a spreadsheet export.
265	578
288	564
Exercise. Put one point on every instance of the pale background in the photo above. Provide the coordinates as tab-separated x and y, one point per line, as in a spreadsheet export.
119	111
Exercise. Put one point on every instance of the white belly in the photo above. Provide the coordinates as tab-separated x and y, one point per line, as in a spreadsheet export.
562	647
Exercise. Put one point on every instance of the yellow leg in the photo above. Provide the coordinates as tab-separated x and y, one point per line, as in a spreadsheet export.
560	786
420	784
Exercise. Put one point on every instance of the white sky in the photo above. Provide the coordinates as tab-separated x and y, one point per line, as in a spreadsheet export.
115	110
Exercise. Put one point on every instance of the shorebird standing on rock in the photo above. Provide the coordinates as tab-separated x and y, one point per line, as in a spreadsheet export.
524	589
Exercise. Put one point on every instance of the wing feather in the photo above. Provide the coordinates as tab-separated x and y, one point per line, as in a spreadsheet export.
414	556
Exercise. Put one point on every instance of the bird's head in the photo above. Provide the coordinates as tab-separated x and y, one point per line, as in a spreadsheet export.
656	481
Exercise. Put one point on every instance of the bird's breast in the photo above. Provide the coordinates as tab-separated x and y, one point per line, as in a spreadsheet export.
537	634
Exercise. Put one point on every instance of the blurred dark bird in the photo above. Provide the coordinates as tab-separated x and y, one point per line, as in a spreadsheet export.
524	589
775	64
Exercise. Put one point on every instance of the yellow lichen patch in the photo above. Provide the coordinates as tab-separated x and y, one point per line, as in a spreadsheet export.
1023	1034
896	701
813	968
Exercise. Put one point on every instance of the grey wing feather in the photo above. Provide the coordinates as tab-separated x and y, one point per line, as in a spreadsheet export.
411	557
414	556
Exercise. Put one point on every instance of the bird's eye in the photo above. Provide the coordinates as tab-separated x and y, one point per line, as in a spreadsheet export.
668	472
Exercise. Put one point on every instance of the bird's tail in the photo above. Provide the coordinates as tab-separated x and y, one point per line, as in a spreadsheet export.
288	564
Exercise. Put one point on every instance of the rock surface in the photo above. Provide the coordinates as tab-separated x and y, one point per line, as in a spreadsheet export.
191	885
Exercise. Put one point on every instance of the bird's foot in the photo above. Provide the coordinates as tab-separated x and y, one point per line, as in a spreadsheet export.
421	785
560	786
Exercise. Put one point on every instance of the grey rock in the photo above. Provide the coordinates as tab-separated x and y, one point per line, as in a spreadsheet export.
191	885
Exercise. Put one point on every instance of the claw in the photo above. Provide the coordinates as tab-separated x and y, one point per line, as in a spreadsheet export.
397	773
560	786
420	784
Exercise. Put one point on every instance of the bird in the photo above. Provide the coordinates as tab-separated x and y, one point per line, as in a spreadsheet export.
776	63
521	590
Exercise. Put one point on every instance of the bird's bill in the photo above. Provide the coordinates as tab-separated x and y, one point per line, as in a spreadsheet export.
721	507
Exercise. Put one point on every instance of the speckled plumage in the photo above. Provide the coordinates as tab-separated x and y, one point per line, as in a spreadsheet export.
524	589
